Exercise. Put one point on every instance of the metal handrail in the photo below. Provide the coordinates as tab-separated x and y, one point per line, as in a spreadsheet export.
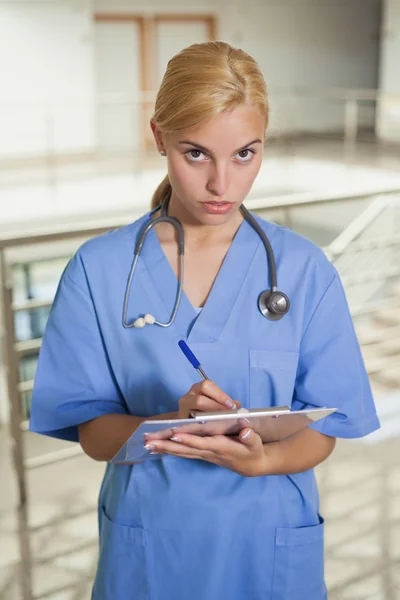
25	386
374	243
55	231
358	226
290	201
27	347
31	304
371	275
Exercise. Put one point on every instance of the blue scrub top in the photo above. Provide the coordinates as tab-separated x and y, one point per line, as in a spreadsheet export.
175	527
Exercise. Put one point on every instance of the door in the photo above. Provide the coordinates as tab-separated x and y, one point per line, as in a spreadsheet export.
117	54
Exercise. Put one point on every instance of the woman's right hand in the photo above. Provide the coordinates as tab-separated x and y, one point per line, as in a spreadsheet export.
205	396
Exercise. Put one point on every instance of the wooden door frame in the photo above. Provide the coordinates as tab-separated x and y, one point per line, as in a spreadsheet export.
209	19
140	21
145	61
147	25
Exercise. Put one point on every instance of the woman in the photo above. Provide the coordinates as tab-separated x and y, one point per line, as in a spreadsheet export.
214	517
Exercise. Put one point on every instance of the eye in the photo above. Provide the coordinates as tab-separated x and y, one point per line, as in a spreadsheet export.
194	155
245	155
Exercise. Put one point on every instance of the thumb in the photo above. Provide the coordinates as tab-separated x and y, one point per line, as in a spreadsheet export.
247	437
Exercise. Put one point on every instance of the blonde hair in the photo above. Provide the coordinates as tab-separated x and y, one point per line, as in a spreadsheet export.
200	82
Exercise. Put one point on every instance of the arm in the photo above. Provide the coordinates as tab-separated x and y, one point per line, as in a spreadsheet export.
101	438
300	452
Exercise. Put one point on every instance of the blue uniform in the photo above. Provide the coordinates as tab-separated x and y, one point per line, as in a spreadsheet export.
176	528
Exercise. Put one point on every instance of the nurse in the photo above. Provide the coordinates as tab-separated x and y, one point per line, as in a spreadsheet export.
207	518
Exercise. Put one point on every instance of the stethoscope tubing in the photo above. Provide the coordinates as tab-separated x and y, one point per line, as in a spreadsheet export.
164	218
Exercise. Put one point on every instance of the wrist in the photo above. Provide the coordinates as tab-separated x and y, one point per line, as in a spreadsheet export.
272	463
162	417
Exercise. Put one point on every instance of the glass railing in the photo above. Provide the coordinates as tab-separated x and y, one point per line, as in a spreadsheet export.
29	280
367	255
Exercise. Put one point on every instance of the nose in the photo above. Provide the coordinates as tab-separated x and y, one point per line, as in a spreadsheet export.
218	180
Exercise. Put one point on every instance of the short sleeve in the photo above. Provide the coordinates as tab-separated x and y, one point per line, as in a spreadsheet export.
331	371
74	382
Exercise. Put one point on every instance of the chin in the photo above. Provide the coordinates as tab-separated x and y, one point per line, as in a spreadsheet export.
220	219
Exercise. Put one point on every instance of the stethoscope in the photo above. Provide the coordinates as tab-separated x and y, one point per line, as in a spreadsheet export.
272	303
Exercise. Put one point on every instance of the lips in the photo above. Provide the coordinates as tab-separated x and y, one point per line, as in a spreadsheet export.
217	208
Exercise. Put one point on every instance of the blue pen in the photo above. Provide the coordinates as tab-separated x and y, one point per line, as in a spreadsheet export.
196	364
192	359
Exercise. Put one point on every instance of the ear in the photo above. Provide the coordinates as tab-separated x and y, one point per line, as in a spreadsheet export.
157	136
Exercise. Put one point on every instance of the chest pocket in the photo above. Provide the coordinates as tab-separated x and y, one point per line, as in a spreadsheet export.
272	377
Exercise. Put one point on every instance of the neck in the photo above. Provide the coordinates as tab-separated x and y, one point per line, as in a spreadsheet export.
200	234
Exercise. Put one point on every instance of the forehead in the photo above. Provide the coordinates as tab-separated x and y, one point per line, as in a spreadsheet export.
233	128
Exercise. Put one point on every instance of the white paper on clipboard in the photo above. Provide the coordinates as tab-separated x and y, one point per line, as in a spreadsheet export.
272	424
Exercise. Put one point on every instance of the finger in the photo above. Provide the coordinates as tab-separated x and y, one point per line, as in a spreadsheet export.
178	449
249	438
211	390
216	445
212	443
211	458
205	404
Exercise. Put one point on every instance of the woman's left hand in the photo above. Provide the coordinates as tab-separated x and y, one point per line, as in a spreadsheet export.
243	454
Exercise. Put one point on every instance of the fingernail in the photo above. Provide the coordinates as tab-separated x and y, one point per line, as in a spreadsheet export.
150	447
246	435
230	404
175	439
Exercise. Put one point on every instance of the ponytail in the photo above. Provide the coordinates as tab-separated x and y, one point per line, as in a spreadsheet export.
161	192
225	78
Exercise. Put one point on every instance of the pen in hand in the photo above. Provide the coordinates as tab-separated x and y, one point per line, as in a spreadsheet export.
196	364
192	359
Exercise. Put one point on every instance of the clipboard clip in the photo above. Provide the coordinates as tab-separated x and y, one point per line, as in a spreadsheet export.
240	411
199	414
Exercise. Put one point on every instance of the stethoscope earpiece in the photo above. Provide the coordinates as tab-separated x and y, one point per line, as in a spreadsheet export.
273	304
146	320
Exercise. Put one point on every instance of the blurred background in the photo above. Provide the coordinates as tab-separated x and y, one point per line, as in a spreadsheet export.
77	85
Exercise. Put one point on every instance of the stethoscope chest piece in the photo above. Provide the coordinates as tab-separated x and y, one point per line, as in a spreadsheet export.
273	305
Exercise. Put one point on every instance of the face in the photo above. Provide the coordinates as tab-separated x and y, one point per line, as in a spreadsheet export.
212	167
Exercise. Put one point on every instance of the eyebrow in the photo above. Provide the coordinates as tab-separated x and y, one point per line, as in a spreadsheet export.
204	149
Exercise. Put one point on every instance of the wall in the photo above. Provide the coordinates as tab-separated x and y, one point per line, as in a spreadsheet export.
313	43
46	66
388	121
47	97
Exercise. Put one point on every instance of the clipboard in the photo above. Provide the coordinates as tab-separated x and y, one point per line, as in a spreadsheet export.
272	424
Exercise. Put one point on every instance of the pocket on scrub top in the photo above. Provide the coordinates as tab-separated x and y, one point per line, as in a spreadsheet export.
299	564
272	377
121	571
